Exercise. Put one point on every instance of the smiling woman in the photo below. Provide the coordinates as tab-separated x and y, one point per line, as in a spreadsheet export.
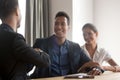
105	15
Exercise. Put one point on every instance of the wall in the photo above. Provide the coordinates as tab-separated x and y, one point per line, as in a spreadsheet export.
82	13
106	18
21	29
60	5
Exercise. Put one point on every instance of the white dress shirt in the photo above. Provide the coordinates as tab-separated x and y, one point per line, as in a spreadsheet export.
99	56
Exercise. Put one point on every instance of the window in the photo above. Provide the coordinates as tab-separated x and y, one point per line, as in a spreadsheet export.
22	4
0	21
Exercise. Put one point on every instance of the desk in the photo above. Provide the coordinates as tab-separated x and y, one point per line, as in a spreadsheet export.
107	75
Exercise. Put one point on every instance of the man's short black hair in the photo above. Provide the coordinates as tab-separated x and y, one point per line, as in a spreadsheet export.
61	13
7	7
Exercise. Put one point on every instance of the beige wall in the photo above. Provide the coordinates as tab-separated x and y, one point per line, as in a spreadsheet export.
107	19
82	13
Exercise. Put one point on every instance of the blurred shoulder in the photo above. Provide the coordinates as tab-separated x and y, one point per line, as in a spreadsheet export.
101	50
71	42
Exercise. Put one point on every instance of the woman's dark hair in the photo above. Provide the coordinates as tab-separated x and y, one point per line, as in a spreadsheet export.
61	13
7	7
90	26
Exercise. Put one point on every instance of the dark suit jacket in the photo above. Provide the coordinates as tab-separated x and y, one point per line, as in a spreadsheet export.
15	54
77	56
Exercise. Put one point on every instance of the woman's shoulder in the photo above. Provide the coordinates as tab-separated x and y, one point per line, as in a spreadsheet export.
102	50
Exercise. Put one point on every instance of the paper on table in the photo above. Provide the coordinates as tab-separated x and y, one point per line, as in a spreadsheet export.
80	76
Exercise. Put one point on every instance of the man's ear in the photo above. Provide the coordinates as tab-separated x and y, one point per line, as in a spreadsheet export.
17	11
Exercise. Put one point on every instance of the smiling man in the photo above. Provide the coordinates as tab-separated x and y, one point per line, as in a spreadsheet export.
66	56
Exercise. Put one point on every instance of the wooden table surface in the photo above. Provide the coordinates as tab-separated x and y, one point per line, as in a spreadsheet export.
107	75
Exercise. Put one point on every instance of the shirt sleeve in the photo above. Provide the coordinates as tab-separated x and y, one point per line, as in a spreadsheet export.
25	53
106	55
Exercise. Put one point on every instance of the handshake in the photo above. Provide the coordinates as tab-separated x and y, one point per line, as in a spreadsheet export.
38	50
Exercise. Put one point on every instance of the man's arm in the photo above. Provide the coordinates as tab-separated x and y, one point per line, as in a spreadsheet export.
27	54
91	68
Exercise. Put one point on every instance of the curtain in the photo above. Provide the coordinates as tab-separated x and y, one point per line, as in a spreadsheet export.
37	20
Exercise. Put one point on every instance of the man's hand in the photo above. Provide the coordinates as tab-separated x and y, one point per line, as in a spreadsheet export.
92	68
38	49
95	71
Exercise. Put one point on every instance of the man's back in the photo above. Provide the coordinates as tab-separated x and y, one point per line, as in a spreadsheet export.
7	58
15	54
